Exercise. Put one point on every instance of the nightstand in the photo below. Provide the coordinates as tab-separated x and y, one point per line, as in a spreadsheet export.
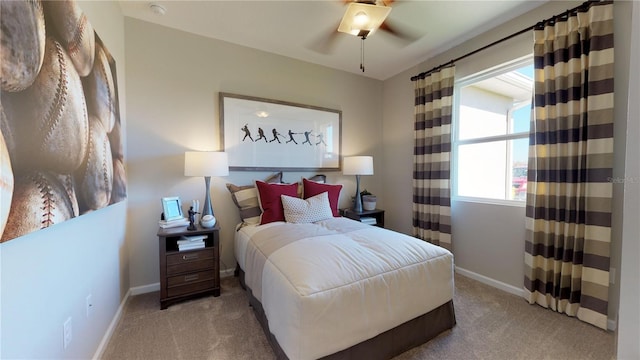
377	214
190	273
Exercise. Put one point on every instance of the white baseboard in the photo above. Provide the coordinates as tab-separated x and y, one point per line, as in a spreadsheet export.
489	281
226	273
136	290
611	323
112	327
143	289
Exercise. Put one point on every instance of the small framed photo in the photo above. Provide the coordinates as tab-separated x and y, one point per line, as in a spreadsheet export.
172	208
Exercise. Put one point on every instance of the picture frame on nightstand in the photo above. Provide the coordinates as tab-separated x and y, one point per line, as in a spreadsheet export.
172	208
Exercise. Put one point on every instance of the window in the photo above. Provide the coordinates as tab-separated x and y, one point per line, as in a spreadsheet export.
491	132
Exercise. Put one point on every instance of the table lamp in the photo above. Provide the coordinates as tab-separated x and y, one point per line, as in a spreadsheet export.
207	164
358	165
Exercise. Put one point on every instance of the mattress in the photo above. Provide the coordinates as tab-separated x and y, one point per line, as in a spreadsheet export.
327	286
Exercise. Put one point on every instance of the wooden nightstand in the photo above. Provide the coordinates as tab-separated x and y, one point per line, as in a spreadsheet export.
377	214
190	273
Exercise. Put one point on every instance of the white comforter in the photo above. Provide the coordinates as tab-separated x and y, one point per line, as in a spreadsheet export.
348	283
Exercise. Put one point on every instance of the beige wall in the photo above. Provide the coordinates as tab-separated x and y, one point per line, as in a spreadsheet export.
173	83
46	275
488	240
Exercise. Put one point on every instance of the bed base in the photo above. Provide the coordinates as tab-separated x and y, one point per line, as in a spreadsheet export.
385	345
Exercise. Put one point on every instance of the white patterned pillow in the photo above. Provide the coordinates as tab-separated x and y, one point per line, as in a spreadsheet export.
309	210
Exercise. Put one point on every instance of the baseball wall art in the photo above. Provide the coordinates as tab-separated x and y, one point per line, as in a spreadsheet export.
60	143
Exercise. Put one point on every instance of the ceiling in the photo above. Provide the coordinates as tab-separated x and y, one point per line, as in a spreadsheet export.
296	28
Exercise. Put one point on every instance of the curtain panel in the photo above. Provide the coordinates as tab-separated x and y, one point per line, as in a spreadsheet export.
432	157
568	224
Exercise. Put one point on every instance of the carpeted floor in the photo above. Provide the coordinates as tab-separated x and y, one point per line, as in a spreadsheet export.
491	324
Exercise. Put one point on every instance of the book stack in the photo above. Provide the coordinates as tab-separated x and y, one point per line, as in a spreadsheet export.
368	220
173	223
191	242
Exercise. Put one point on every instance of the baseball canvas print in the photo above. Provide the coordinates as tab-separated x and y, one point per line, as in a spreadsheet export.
61	148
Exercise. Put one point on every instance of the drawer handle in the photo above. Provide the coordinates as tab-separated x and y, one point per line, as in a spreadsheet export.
191	277
190	257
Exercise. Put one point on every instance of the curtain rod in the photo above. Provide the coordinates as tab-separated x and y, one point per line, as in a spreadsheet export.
582	7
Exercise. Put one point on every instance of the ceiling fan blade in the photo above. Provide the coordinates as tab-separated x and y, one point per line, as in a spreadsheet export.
326	43
400	32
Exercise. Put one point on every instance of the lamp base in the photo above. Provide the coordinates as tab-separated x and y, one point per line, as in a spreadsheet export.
357	204
207	209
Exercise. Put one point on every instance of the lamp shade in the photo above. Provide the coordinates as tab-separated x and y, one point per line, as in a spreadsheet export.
358	165
206	163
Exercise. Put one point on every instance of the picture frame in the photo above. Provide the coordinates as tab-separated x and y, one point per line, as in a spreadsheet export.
275	135
172	208
53	142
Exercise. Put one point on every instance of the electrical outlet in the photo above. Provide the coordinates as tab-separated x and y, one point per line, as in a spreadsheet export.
66	332
89	306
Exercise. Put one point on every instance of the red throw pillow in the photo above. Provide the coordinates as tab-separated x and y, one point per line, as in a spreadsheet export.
270	201
312	188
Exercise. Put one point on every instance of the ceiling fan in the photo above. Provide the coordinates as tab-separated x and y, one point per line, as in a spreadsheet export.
362	18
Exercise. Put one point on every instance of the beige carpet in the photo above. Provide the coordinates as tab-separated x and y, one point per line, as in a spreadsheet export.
491	325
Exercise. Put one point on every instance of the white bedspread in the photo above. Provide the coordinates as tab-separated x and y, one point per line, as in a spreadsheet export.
322	294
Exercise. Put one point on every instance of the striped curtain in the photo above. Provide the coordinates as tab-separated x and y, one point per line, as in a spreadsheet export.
568	224
431	157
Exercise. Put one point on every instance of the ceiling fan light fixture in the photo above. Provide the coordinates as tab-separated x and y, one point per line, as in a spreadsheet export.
361	16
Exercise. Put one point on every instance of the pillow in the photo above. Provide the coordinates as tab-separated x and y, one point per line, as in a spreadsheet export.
246	199
313	209
317	178
312	188
270	201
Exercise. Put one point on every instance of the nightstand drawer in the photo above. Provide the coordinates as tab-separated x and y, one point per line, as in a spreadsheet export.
188	283
190	278
191	273
189	261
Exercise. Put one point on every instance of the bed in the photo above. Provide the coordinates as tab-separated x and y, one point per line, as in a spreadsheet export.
340	289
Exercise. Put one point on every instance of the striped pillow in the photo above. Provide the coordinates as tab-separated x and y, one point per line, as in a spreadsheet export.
246	199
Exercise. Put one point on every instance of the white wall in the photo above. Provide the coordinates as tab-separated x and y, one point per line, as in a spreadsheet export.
489	239
46	275
173	81
629	319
